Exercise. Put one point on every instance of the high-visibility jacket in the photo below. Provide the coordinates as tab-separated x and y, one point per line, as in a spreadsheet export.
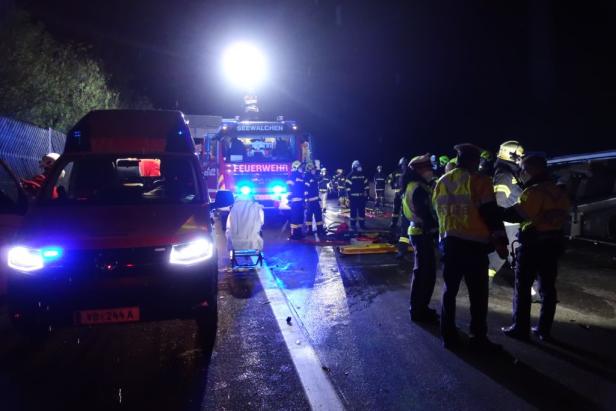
324	183
393	180
420	219
357	184
379	181
543	206
296	186
311	182
507	188
457	197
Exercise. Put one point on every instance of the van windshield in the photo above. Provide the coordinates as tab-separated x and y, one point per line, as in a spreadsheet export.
113	179
259	148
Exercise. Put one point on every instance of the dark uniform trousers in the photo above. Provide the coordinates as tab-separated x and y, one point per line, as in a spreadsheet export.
538	259
313	209
358	210
297	215
397	208
468	260
424	273
380	198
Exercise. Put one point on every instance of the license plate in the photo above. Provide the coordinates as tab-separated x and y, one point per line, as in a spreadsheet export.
108	316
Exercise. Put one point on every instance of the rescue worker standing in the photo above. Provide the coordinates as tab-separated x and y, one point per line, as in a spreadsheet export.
324	187
357	185
394	181
542	210
507	189
379	187
339	181
296	188
417	208
313	205
470	227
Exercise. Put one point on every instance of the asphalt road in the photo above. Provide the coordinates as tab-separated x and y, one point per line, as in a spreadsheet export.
314	319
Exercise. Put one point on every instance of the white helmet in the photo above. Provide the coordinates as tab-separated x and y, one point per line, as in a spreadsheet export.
356	164
48	160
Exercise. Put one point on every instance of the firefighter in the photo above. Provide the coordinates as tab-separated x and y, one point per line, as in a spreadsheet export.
508	189
357	186
470	227
324	187
296	188
379	187
394	180
417	208
34	184
341	189
542	210
313	205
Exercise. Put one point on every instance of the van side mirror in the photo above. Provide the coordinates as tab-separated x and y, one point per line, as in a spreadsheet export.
224	198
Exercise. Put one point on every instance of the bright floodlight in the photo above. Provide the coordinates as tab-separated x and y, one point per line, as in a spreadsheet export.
244	66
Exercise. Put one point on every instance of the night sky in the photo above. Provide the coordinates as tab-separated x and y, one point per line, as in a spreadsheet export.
372	80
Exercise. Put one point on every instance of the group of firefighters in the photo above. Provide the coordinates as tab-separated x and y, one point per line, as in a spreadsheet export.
467	202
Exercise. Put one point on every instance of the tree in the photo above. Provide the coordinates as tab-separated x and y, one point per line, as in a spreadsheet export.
46	82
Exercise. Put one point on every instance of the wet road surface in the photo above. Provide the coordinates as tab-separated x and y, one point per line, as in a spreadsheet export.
352	313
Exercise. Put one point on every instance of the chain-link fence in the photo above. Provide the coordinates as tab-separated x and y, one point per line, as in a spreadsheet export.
22	145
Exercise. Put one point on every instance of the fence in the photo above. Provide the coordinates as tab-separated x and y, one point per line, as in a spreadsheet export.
22	145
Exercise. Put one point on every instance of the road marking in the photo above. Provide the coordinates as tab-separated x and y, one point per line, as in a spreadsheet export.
317	386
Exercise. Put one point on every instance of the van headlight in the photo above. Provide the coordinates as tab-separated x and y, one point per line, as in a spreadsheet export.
26	259
191	253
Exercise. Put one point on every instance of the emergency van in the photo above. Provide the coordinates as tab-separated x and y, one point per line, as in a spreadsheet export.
120	232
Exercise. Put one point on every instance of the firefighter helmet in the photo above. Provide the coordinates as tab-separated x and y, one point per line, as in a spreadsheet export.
402	162
356	164
323	170
443	160
339	171
511	151
310	166
296	165
420	162
48	160
379	168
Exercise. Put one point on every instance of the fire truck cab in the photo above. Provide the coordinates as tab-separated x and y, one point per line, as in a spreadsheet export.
254	158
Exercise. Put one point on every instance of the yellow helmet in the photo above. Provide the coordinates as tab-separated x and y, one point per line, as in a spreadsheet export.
510	151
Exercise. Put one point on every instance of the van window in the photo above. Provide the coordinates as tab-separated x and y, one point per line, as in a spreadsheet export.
595	180
126	180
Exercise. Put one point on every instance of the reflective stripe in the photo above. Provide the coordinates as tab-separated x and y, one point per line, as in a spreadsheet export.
358	195
322	190
290	182
295	225
502	188
296	199
404	240
312	198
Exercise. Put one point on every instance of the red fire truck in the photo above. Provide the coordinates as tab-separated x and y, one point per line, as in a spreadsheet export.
253	157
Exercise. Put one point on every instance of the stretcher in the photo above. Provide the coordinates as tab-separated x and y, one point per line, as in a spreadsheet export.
379	248
241	259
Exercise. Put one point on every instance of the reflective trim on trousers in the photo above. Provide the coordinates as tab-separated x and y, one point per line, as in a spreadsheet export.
293	226
313	199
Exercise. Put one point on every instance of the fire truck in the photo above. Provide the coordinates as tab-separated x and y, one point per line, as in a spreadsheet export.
253	157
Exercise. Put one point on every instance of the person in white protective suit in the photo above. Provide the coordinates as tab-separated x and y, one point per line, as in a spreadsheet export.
244	225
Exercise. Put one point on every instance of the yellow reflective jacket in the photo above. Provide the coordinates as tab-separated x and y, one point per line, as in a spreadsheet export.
408	207
457	197
543	206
